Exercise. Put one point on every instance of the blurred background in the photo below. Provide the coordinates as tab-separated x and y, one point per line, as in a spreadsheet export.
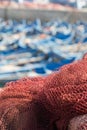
37	37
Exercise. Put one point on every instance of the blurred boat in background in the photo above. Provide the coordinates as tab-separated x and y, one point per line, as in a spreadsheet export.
33	48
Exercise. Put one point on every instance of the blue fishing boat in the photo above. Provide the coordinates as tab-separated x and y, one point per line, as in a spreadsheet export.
32	48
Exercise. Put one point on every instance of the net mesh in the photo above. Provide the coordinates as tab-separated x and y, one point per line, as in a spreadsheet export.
45	103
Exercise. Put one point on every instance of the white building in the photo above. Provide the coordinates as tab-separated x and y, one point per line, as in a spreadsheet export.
81	3
41	1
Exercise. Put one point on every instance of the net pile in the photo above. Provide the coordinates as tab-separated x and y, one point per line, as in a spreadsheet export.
18	110
46	103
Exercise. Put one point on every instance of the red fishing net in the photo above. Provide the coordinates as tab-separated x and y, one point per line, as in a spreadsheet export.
45	103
